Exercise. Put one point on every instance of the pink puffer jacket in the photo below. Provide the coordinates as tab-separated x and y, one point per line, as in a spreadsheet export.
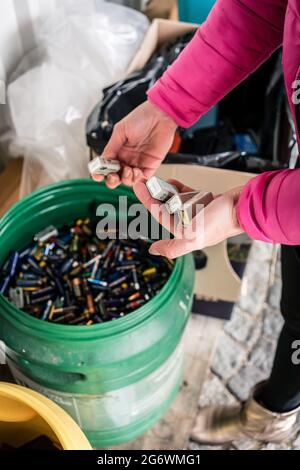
235	39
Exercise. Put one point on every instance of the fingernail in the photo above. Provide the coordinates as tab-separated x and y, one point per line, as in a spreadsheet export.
126	172
153	252
111	179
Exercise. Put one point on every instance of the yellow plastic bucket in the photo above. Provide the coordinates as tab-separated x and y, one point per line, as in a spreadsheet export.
25	415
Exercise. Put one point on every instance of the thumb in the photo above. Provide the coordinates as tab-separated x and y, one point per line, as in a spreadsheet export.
171	248
112	150
115	143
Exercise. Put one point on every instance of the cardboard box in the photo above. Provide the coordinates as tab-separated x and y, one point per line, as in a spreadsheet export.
159	32
217	280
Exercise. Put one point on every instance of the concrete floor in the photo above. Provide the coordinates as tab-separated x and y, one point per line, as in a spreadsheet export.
247	345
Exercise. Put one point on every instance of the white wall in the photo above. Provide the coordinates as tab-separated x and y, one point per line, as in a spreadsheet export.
16	38
17	29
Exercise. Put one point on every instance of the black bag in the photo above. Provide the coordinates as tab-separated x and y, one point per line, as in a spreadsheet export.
124	96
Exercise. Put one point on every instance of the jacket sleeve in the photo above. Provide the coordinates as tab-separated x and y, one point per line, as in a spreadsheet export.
269	207
236	38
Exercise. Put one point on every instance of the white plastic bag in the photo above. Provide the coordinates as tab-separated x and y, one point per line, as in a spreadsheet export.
83	47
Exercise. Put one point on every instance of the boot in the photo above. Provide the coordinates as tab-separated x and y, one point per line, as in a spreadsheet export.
222	425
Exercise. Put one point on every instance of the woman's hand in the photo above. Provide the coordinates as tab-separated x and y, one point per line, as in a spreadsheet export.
217	222
140	142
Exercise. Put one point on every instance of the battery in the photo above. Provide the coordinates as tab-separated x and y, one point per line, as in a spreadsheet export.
186	205
184	200
192	205
103	166
45	234
160	189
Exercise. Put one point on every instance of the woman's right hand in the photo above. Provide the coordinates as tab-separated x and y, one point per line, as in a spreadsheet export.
140	142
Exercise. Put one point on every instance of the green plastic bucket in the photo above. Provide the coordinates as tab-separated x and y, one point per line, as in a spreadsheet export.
117	378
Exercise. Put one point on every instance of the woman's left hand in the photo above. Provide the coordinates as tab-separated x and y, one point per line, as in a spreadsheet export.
215	223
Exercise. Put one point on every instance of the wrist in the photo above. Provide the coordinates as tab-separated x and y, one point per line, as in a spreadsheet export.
161	115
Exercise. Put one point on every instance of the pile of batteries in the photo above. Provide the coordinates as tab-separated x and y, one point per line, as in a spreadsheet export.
69	276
